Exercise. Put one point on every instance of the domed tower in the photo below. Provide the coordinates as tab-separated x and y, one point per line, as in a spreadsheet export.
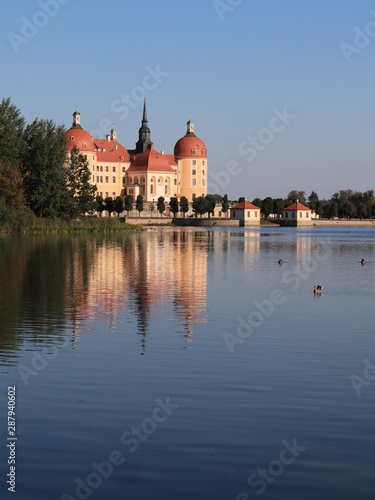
191	157
77	136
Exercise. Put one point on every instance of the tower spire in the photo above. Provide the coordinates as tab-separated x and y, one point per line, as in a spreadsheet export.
144	120
190	127
144	133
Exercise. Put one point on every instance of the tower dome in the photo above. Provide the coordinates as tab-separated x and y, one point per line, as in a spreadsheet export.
190	146
77	136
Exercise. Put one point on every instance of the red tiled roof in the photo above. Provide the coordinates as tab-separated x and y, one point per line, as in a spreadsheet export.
77	136
186	145
244	205
151	160
108	151
296	206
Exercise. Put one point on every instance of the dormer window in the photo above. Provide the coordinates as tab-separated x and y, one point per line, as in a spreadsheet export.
84	145
198	146
202	151
72	137
122	158
103	150
193	151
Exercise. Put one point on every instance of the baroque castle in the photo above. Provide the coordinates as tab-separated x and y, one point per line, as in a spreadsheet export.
117	171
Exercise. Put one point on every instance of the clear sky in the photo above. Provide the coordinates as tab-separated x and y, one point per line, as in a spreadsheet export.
236	66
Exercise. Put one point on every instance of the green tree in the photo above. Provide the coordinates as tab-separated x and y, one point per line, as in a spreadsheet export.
210	202
173	206
313	200
119	205
11	186
43	168
151	207
99	204
200	206
12	144
161	205
295	195
139	204
257	202
224	204
267	206
109	205
278	207
184	205
80	195
129	203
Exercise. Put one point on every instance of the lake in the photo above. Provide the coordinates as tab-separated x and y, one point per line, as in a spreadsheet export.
189	364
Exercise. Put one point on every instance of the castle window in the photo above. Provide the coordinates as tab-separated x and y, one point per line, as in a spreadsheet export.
114	180
93	178
203	182
97	178
101	178
152	189
300	215
255	214
175	182
97	168
194	183
106	179
194	162
194	172
166	189
106	195
123	181
307	215
123	169
203	162
101	168
113	169
107	168
203	173
113	195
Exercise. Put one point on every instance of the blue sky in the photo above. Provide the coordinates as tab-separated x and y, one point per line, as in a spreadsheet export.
235	65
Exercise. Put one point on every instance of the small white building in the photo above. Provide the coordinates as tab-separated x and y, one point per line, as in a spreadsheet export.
247	213
297	215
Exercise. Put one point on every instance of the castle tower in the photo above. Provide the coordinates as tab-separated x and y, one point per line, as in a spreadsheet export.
77	118
113	134
144	133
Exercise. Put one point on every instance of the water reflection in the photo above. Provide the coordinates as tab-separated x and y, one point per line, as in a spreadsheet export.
53	286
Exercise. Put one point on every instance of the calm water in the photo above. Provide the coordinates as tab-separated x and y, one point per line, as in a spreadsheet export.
190	365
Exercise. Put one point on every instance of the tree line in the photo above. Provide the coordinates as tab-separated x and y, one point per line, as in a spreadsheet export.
35	177
343	204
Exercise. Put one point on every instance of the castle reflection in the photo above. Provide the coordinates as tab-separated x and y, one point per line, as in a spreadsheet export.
53	287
